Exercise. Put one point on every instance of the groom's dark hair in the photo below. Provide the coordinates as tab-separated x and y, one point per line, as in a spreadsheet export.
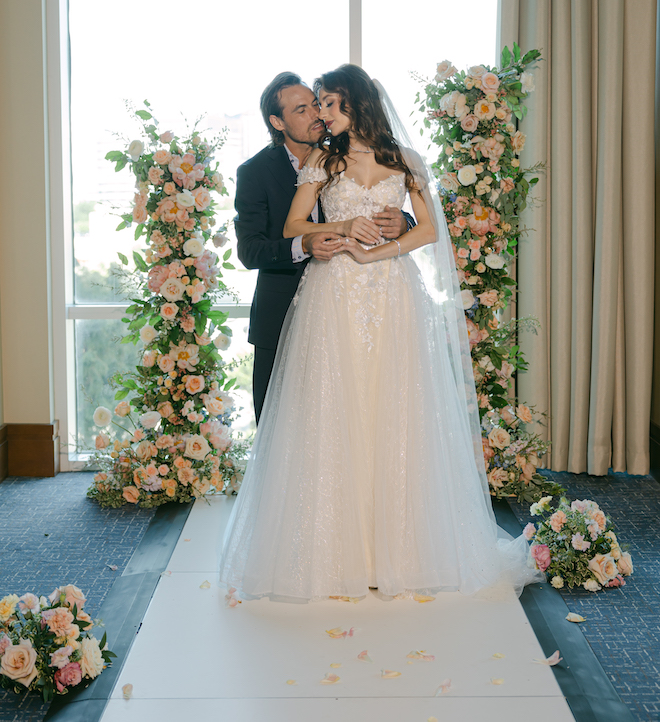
270	102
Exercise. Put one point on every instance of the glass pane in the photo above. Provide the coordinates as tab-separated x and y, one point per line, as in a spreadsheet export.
98	356
435	31
186	66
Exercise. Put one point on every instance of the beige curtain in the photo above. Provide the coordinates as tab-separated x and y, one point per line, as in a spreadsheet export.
585	268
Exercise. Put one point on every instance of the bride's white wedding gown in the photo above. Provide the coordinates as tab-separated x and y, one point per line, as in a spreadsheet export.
363	472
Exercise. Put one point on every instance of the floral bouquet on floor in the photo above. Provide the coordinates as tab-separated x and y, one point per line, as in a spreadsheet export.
178	420
576	545
45	644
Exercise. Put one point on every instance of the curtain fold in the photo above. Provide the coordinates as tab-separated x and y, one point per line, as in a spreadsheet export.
585	268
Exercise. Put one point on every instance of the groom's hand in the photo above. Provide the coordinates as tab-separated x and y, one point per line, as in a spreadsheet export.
321	245
392	222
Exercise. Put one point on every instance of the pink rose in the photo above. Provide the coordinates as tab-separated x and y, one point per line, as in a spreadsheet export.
489	82
123	408
170	188
60	621
149	359
155	175
507	185
102	441
529	531
541	554
68	676
463	253
163	469
4	643
470	123
579	543
156	277
166	137
187	323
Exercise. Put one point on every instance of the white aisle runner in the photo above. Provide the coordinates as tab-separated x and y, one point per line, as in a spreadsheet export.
196	658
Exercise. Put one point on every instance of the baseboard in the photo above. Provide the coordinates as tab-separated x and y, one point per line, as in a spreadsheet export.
4	453
33	449
654	448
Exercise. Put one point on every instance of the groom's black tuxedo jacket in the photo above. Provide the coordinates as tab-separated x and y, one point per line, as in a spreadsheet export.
265	186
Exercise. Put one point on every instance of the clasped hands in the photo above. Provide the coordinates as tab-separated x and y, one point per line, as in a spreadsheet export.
390	223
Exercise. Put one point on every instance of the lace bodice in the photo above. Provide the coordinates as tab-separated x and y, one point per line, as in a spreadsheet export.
344	198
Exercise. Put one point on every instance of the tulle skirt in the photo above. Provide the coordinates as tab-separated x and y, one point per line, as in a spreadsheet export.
363	471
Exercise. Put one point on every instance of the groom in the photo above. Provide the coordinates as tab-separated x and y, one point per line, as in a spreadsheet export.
265	186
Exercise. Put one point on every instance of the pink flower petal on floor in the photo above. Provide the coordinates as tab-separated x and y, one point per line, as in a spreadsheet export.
336	633
330	679
421	654
443	687
421	598
291	681
113	567
166	574
389	674
364	656
127	691
551	660
572	617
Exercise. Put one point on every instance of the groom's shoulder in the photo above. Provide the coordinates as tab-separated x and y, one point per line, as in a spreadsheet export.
265	155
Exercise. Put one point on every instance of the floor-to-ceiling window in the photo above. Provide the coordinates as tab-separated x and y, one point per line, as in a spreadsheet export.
213	59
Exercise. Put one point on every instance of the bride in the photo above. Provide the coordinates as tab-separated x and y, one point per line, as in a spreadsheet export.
366	470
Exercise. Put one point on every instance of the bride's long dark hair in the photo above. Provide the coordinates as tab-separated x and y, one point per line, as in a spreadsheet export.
359	100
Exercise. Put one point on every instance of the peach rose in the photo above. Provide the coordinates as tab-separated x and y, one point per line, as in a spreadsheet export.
194	384
170	487
162	442
202	198
166	137
170	188
507	185
60	621
18	662
123	408
470	123
488	298
166	363
508	416
169	310
444	70
197	447
499	438
102	441
524	414
73	596
162	157
155	175
140	214
165	409
497	478
172	289
131	494
604	568
186	475
599	517
518	142
484	110
489	82
625	564
214	406
557	520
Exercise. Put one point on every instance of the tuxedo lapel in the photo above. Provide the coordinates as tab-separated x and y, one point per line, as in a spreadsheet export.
281	169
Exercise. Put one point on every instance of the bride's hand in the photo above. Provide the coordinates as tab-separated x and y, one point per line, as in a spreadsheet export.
361	229
350	245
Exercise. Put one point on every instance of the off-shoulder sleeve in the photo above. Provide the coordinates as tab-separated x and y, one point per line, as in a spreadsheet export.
311	174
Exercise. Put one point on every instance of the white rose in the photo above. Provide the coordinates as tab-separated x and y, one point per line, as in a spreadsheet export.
219	240
217	179
150	419
172	290
444	70
135	149
148	334
193	247
494	260
527	81
591	585
91	663
467	298
476	71
557	582
185	199
222	341
449	182
467	175
102	416
197	447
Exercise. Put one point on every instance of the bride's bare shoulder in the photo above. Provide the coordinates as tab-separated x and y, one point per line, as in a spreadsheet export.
314	160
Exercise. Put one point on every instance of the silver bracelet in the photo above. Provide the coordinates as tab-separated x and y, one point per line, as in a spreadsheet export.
399	245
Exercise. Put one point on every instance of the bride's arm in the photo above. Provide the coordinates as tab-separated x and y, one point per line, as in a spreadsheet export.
422	234
304	201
